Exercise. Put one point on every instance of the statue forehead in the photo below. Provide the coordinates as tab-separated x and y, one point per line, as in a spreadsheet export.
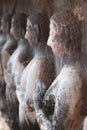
58	21
56	26
53	28
29	22
53	24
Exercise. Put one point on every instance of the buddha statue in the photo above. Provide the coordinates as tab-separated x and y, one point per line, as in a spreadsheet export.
67	94
41	67
16	63
7	46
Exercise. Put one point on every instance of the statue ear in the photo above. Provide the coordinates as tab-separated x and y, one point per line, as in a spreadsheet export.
36	29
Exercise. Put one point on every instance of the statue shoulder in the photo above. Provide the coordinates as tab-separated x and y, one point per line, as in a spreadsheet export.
10	45
2	39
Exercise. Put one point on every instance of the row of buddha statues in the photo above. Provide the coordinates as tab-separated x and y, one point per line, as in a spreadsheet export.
31	93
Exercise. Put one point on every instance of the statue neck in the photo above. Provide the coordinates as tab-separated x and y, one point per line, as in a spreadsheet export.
22	42
71	59
42	51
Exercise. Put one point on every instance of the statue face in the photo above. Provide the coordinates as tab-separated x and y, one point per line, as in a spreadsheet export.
15	31
12	30
4	26
55	40
31	33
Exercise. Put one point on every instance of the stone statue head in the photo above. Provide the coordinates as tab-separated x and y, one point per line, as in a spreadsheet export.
18	25
65	35
37	29
6	23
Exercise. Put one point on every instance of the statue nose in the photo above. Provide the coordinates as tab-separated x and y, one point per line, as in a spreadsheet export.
49	42
26	35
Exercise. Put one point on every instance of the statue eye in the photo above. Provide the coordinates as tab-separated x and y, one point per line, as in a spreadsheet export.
52	34
31	28
54	38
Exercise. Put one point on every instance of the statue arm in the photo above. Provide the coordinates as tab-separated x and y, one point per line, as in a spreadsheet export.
9	78
59	116
5	58
38	95
7	51
20	81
